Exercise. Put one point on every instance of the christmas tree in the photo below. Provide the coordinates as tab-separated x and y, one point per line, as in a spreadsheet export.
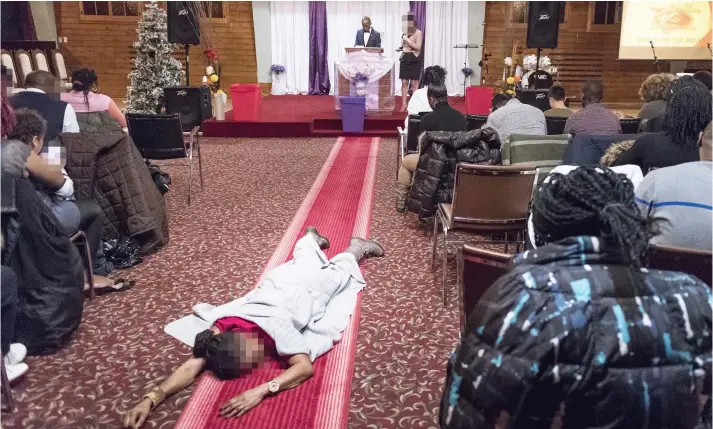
154	67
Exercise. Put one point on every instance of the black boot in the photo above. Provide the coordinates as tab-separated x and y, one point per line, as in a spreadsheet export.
321	240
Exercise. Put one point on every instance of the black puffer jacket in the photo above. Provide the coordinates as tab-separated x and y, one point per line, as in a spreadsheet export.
572	324
441	151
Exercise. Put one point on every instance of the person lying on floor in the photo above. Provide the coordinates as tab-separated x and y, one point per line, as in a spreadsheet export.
57	191
296	313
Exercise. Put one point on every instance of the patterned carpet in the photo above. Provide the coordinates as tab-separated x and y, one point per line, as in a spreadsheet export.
217	250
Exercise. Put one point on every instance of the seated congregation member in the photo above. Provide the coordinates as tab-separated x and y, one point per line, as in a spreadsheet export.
419	103
510	116
681	198
579	322
653	94
41	96
687	114
704	77
557	96
276	319
655	124
56	189
83	97
594	119
442	118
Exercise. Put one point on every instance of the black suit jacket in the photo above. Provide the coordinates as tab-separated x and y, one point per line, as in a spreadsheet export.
374	39
443	118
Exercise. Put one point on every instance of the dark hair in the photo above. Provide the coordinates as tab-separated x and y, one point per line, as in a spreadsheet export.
681	82
592	201
40	79
408	16
438	91
592	91
500	100
29	124
704	77
688	111
220	353
82	81
434	74
557	93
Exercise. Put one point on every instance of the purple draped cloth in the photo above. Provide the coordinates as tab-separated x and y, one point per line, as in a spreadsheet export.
318	62
418	8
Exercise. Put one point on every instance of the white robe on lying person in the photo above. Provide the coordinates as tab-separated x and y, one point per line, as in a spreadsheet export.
304	304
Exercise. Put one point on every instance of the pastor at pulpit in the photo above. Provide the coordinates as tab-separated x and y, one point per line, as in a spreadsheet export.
367	36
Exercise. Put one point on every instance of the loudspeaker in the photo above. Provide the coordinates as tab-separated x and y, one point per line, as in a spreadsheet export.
543	24
192	103
539	80
534	97
182	24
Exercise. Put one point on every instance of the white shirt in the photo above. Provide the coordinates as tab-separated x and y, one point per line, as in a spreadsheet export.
367	36
69	123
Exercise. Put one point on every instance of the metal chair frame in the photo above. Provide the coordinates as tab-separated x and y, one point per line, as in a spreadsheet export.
442	219
9	405
80	240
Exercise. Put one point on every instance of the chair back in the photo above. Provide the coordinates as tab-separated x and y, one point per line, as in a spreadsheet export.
414	130
476	122
24	63
480	268
630	125
6	60
555	125
544	152
157	136
40	59
59	65
689	261
493	196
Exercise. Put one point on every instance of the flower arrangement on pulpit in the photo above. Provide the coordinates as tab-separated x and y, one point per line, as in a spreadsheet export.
212	71
358	75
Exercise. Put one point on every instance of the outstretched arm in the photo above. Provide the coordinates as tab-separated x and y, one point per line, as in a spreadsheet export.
300	370
181	378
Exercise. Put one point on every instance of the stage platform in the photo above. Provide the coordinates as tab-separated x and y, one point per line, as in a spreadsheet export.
305	116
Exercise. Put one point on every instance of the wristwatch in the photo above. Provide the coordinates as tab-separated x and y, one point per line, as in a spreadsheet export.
273	387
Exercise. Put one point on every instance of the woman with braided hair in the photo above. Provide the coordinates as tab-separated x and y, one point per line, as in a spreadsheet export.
688	111
84	99
579	324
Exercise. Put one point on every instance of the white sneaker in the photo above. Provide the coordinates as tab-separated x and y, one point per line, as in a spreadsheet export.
16	371
16	354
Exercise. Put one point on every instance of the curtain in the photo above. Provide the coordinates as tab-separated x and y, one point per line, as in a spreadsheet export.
17	21
447	24
418	8
290	44
344	19
318	60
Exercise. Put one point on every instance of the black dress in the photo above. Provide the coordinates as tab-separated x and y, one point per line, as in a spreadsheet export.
410	68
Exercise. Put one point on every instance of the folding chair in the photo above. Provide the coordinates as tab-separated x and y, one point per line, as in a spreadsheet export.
486	199
161	137
478	269
690	261
80	240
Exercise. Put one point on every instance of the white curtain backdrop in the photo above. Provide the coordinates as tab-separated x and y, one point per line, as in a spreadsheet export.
447	26
290	43
344	19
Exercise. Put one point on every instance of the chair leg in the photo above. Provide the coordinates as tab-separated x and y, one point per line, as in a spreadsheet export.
461	310
6	390
88	269
507	239
200	162
445	265
190	177
433	242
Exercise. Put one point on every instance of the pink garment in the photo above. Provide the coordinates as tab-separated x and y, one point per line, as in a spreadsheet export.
97	102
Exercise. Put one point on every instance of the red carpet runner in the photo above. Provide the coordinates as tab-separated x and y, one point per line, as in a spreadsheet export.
339	205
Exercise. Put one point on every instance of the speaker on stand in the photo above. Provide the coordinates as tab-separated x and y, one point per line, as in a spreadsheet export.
183	28
543	24
193	104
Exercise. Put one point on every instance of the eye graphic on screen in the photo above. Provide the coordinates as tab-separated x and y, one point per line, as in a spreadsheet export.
673	19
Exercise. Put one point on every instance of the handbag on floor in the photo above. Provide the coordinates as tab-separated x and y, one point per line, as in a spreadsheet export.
123	252
160	177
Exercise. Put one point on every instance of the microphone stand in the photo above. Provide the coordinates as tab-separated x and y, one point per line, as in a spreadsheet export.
657	69
465	48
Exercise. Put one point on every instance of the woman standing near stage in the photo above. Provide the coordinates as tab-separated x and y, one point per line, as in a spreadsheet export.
410	70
